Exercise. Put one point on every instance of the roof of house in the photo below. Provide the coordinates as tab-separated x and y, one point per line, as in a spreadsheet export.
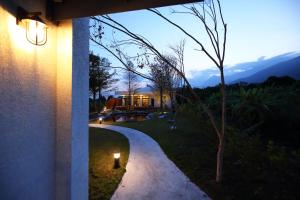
140	91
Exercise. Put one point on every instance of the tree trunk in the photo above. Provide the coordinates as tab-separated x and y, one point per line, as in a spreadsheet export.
219	171
94	101
220	153
99	100
161	98
129	90
129	99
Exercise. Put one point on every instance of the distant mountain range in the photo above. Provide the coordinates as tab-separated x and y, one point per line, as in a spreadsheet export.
288	68
252	72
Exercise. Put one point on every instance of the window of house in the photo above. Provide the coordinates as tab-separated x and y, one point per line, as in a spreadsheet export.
127	100
145	101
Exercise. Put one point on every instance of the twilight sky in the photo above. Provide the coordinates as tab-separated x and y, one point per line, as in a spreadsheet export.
256	28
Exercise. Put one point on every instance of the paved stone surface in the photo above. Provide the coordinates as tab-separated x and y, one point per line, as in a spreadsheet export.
149	173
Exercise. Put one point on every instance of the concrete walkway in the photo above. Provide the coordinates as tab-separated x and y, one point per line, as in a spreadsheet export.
149	173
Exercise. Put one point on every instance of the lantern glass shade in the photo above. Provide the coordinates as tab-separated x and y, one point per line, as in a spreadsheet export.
36	29
36	32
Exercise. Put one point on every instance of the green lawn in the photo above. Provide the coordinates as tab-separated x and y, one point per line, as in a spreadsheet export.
252	169
103	178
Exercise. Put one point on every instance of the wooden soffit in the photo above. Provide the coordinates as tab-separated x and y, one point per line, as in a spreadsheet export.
67	9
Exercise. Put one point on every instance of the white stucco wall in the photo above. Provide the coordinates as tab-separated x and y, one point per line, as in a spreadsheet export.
80	93
72	111
27	113
43	110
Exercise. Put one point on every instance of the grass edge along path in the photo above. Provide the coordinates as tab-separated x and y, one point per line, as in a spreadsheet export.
103	178
190	147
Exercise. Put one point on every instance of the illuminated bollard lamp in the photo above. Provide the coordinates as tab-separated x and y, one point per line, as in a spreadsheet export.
100	120
117	160
173	127
172	124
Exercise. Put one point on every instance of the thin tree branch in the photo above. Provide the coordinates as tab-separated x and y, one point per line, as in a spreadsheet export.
123	63
185	32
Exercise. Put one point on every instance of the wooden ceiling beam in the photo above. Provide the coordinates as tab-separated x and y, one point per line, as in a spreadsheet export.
68	9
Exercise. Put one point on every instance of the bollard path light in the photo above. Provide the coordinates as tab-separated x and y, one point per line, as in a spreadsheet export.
117	160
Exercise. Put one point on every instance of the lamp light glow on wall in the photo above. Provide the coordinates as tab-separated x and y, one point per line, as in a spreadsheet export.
36	29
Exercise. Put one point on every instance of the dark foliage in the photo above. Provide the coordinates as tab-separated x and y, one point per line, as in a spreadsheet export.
262	156
262	153
100	78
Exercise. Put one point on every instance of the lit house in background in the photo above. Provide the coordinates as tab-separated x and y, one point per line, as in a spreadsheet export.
44	95
143	98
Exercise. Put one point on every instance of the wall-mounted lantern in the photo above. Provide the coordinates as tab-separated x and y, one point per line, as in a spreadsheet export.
36	29
117	160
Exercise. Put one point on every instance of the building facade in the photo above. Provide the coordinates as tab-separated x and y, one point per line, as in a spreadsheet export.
43	107
143	98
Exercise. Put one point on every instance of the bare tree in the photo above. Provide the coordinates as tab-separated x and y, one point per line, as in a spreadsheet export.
179	56
139	41
166	78
96	36
132	81
210	16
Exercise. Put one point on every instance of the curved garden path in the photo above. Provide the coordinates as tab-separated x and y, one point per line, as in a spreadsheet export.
149	173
